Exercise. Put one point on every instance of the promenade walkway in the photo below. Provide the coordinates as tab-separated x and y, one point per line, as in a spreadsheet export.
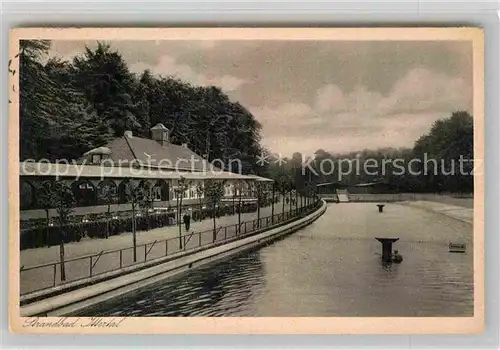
44	277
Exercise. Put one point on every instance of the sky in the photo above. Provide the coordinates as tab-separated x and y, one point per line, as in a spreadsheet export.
339	96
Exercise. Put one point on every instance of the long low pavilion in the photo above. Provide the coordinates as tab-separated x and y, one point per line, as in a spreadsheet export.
125	159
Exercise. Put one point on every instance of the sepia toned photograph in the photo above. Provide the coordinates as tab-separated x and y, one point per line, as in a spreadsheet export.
206	180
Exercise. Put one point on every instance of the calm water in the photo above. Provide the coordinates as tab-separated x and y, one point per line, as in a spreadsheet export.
330	268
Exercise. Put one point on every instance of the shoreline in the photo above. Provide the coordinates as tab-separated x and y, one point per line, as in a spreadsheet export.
452	211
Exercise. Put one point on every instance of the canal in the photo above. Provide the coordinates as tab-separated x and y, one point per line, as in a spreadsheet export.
330	268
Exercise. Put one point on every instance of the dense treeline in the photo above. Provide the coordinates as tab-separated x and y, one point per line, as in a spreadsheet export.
440	161
68	108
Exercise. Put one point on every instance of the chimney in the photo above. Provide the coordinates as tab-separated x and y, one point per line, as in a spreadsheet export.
128	134
159	133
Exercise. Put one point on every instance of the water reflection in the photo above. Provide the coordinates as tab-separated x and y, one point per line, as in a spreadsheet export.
213	290
330	268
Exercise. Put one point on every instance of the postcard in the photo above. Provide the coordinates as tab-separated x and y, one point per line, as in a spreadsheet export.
246	180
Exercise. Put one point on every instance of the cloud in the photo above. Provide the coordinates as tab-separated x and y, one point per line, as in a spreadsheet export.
226	82
286	119
425	90
330	98
341	121
336	95
418	90
168	66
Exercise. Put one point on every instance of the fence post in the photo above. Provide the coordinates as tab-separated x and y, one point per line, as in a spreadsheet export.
121	258
199	239
145	250
55	273
225	232
166	247
91	266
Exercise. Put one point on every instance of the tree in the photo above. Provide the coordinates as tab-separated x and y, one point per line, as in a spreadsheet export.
108	196
137	194
179	190
64	203
261	192
46	199
238	187
200	190
146	198
283	181
55	195
105	80
273	200
78	127
214	191
35	106
68	108
56	119
448	140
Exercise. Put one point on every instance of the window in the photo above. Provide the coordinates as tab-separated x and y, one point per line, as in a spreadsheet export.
96	159
157	193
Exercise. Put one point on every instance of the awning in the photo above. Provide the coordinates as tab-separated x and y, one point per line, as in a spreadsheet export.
96	171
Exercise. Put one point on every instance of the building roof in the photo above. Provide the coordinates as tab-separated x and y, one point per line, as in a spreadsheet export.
327	184
260	178
159	126
368	184
136	157
97	171
138	150
98	150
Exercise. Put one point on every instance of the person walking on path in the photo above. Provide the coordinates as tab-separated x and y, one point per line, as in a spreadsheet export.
187	221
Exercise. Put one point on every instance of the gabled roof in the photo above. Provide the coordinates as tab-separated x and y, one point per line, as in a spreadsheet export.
98	150
170	161
159	126
138	150
169	156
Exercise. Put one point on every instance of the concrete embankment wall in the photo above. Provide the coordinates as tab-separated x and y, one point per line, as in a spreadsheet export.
465	201
80	299
368	197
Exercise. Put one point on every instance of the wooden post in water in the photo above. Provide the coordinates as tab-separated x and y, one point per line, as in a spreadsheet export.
386	248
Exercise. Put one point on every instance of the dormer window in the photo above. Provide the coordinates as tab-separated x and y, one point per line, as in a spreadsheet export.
96	158
97	155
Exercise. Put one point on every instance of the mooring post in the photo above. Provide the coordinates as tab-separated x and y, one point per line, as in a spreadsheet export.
386	248
380	207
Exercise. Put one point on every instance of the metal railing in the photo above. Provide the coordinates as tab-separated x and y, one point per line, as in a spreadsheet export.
44	276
